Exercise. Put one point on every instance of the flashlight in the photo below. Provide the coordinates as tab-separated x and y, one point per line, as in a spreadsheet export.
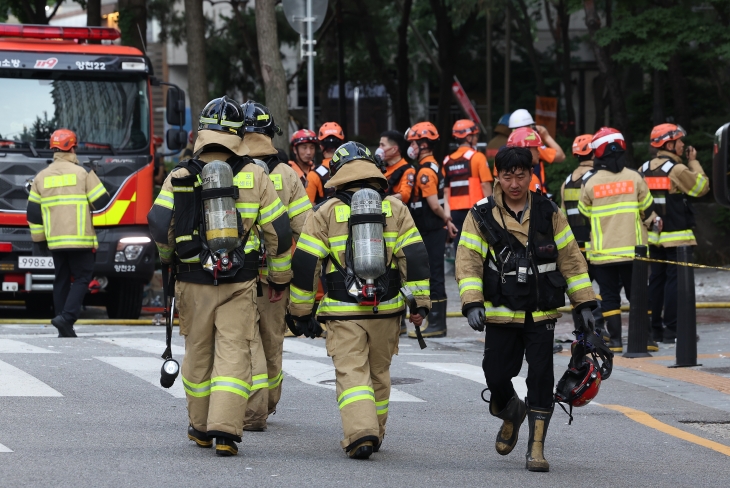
169	372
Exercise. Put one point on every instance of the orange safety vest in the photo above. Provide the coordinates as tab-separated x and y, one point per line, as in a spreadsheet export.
465	188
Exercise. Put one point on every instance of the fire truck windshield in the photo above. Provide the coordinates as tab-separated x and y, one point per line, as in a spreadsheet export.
107	115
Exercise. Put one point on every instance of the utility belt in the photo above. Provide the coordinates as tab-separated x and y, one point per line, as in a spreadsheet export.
195	273
337	288
541	268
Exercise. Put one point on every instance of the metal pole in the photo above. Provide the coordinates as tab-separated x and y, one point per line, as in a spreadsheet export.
356	103
341	99
507	58
488	122
639	307
310	68
686	312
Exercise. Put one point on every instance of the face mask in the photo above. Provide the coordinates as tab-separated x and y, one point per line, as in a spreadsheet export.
379	152
413	153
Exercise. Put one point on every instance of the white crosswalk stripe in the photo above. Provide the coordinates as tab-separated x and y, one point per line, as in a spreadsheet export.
473	373
152	346
17	383
298	346
5	449
9	346
147	369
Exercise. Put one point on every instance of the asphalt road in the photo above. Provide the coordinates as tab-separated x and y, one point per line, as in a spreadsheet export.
89	412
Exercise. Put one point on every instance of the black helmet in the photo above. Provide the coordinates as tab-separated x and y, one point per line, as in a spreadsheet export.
257	118
222	114
350	151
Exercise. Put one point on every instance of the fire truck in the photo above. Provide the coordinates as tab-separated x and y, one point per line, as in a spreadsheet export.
57	77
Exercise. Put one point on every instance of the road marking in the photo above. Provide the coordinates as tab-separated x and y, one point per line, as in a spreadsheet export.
312	372
8	346
473	373
54	334
152	346
298	346
5	449
649	421
709	380
17	383
147	369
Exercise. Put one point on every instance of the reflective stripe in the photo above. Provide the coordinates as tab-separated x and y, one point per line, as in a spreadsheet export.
564	237
573	211
419	288
224	122
247	210
474	242
680	235
578	282
299	206
459	183
195	259
420	204
646	202
165	199
276	380
492	311
63	200
660	200
279	264
34	197
36	228
328	305
390	238
700	185
381	407
355	394
183	189
259	382
613	253
58	181
71	240
541	268
337	244
165	253
231	385
312	246
96	193
584	209
653	236
409	237
270	212
614	209
180	239
252	244
470	284
297	295
196	389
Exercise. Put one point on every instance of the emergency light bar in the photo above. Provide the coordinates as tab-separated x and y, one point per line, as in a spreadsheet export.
34	31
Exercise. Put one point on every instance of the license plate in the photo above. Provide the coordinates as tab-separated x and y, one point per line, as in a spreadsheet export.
35	262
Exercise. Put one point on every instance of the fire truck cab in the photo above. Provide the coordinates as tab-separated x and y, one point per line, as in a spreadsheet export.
50	78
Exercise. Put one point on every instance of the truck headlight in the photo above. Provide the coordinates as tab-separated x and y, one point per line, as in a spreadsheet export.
130	248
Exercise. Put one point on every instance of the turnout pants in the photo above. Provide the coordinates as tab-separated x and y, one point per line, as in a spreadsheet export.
267	349
435	242
610	278
504	348
69	297
361	351
663	289
216	373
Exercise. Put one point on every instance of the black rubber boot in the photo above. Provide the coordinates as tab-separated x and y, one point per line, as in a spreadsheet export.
361	449
512	415
538	418
436	321
65	329
200	438
225	447
613	324
651	345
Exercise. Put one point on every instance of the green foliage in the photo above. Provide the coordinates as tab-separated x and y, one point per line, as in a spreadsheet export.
41	130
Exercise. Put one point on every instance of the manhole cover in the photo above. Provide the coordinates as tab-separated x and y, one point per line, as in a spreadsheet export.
722	370
720	429
393	381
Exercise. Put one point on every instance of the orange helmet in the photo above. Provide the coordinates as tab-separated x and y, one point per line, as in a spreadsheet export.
663	133
463	128
422	130
524	137
331	129
582	145
63	140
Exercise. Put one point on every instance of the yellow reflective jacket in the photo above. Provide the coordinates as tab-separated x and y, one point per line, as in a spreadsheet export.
59	204
473	248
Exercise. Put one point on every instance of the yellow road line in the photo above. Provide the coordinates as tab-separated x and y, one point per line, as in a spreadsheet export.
649	421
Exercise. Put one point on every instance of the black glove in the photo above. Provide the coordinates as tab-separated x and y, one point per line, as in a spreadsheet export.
475	316
308	328
41	249
588	320
291	325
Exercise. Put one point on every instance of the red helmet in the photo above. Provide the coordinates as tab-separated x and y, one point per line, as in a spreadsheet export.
63	140
582	145
303	136
607	137
331	129
422	130
580	385
463	128
664	133
524	137
190	137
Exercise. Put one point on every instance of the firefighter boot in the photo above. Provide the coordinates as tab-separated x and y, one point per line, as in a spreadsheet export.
200	438
512	415
538	418
651	344
436	321
65	329
225	447
613	324
361	450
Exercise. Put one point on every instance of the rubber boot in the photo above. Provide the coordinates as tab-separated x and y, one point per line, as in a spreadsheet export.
613	324
512	415
200	438
361	450
538	418
651	345
65	329
436	321
225	447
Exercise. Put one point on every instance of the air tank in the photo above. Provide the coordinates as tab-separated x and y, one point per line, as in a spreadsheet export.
263	165
368	249
221	226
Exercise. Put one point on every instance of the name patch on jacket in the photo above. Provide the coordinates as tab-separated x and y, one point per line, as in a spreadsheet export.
613	189
243	180
276	180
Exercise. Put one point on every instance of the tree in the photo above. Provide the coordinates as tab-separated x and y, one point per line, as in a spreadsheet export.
30	11
133	23
197	79
272	69
93	12
521	15
402	107
560	31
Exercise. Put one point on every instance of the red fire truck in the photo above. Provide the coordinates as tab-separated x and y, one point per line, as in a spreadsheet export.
52	77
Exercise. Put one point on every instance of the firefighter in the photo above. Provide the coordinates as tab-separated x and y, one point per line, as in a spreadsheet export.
550	152
201	222
400	174
330	137
432	219
467	178
516	260
617	202
570	192
59	218
304	147
362	332
268	345
670	182
501	133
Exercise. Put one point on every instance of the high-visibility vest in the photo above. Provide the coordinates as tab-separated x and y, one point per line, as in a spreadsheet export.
465	187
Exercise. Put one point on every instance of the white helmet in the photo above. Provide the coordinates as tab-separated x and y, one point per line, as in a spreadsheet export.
520	118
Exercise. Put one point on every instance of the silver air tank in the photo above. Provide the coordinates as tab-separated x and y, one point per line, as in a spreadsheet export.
263	165
368	250
221	226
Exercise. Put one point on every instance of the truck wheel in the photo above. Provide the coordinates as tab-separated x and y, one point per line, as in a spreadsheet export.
124	299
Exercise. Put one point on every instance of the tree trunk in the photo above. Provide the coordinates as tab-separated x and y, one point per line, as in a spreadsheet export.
658	116
93	15
599	98
564	29
272	70
341	96
521	17
402	108
197	80
133	23
248	40
618	105
445	37
679	92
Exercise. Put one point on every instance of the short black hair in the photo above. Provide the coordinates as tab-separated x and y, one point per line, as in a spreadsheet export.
331	143
585	157
396	138
510	159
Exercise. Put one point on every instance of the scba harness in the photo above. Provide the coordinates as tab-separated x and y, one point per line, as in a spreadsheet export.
673	208
521	277
195	261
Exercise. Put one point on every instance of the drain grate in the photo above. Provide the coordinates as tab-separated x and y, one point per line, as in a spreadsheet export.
721	370
393	381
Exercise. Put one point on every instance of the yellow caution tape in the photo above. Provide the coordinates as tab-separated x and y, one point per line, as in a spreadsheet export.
650	260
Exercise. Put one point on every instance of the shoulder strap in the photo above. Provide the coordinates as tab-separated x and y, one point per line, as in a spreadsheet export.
667	166
194	166
272	162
